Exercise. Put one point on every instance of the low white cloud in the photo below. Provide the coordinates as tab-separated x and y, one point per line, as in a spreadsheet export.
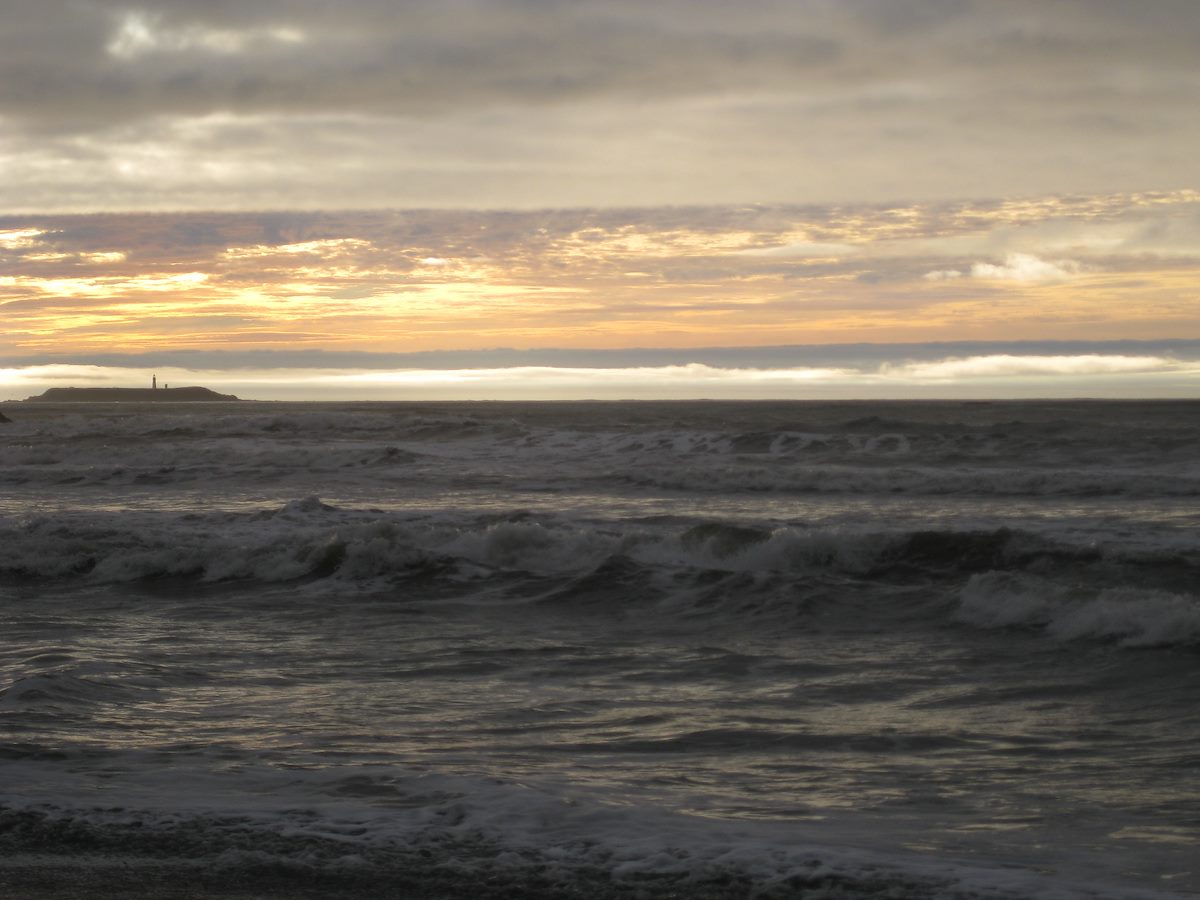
18	380
1024	267
550	382
1027	267
1008	365
983	375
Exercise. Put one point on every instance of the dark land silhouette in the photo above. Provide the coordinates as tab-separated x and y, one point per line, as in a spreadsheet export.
117	395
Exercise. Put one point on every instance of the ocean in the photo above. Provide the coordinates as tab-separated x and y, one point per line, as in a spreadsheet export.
592	650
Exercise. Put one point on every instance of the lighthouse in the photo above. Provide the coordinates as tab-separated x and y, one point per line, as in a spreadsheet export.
154	382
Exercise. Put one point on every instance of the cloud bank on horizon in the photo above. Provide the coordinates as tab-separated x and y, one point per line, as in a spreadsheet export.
1025	369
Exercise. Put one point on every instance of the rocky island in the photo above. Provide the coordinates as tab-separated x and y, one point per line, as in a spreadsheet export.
118	395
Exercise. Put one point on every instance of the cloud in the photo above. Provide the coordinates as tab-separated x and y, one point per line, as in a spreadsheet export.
844	372
1011	365
1016	267
1027	267
169	104
424	56
421	58
803	250
445	279
321	248
20	238
139	33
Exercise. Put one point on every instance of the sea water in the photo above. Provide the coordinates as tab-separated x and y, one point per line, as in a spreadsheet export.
925	649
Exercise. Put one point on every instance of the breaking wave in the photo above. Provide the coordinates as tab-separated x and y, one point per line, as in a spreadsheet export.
1005	577
1131	616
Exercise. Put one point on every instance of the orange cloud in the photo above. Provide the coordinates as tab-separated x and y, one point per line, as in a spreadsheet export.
1089	268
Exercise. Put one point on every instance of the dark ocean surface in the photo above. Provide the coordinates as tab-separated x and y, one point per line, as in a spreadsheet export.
785	649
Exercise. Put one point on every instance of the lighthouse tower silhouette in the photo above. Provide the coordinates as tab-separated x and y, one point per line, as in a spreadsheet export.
154	382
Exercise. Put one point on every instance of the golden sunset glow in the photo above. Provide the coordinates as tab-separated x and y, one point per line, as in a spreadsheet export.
1087	268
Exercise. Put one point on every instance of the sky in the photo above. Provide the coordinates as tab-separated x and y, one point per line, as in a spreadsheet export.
601	198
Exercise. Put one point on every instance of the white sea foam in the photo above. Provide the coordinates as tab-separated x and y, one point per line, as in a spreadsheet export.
1134	617
333	818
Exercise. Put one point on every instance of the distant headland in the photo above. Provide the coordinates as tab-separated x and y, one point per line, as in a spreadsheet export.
118	395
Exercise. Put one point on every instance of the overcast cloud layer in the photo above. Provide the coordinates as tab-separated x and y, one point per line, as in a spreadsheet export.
178	104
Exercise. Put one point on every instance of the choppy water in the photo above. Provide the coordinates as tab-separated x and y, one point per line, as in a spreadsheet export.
936	649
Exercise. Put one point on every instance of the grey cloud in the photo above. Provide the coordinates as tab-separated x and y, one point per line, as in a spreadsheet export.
483	230
529	103
82	65
431	57
759	357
